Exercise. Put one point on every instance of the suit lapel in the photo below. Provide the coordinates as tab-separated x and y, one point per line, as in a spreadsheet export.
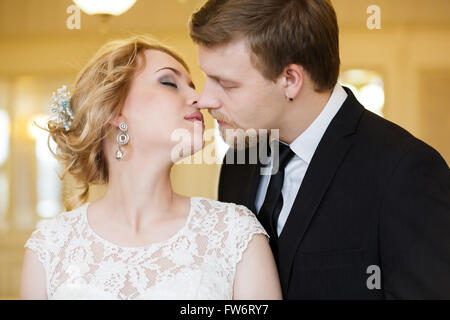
330	153
252	182
249	177
255	177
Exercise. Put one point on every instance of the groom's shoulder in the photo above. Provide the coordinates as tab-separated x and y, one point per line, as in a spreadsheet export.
383	131
389	140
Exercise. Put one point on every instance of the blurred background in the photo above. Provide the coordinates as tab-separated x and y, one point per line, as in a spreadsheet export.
395	57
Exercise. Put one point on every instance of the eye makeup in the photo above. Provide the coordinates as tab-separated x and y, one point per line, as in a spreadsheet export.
178	74
167	81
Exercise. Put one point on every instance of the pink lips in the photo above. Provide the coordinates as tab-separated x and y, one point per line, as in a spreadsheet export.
196	116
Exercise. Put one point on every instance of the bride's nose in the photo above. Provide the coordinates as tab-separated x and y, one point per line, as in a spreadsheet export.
193	103
193	100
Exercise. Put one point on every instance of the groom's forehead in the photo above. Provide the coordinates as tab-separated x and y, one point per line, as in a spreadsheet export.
231	49
227	59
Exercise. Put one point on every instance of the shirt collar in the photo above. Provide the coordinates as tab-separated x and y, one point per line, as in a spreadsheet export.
306	144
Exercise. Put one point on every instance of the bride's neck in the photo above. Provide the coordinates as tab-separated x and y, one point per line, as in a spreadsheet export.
139	191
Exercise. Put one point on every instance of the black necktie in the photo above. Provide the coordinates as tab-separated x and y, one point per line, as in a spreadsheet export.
271	208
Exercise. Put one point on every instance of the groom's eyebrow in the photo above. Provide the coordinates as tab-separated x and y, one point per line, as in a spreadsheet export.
178	73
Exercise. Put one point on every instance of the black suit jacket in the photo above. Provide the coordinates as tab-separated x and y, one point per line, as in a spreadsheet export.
373	196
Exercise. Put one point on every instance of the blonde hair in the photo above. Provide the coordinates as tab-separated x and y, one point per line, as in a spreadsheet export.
97	98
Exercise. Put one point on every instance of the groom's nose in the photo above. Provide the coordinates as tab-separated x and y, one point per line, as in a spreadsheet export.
208	99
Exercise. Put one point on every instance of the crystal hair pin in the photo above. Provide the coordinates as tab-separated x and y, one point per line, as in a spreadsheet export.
61	107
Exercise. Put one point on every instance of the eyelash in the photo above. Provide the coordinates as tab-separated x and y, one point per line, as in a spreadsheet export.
171	84
227	87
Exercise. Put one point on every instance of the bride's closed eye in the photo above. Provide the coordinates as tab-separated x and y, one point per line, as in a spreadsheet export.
168	82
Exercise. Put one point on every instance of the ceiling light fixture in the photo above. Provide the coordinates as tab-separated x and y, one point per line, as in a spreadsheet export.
108	7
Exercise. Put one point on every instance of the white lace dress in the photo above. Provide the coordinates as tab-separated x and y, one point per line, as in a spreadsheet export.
198	262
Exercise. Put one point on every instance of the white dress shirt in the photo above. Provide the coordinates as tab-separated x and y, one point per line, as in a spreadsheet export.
304	147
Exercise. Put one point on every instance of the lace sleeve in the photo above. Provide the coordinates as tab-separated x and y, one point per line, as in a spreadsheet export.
41	242
244	226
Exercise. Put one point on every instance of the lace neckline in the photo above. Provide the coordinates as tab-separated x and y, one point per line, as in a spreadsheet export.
145	247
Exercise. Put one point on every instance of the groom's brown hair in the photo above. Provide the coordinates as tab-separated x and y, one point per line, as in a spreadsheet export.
279	32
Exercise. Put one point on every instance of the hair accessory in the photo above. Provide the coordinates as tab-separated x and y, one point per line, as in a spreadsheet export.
61	107
122	139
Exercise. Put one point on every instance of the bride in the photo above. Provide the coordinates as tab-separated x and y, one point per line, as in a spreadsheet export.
141	240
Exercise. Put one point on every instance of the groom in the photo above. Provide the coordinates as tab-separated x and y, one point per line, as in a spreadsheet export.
359	208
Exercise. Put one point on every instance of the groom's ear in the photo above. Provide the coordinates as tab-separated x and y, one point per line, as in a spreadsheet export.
293	78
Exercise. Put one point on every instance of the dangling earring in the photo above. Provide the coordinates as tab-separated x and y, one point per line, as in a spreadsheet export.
122	139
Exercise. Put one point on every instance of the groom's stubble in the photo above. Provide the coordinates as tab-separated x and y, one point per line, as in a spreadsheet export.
236	137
